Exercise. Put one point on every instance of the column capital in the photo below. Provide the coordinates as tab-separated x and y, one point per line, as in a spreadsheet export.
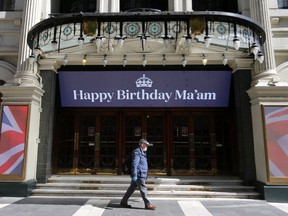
266	71
26	74
240	64
268	94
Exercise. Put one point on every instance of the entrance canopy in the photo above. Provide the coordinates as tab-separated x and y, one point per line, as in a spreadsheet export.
127	36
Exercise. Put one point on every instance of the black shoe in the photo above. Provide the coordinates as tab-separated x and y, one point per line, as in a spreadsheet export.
125	205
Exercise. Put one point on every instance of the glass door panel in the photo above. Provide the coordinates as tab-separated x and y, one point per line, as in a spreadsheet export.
155	131
108	142
180	143
140	125
86	141
202	142
133	133
65	147
224	145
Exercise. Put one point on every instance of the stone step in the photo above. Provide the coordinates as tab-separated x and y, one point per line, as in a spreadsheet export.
158	187
151	180
150	187
158	194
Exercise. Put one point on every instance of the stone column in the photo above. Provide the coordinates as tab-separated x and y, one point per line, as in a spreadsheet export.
27	74
266	71
187	5
103	6
114	5
177	5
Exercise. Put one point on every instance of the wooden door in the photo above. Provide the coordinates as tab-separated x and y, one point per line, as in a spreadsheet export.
148	125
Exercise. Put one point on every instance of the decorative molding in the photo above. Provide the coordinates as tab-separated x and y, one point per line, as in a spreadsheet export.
7	71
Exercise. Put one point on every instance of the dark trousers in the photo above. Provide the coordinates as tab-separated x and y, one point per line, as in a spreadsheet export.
143	190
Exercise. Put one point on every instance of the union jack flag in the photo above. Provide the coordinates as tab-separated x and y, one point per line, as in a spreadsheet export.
276	120
12	141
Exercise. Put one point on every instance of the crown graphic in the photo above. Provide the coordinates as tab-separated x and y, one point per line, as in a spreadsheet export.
144	82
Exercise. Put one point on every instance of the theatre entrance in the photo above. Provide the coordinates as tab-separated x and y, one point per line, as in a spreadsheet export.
186	141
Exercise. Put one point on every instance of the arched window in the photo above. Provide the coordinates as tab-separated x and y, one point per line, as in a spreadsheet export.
133	4
215	5
282	4
76	6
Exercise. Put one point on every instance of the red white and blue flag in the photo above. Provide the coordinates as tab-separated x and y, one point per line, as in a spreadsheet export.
276	119
12	140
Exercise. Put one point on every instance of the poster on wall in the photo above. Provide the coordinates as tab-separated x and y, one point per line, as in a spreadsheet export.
144	88
276	142
13	140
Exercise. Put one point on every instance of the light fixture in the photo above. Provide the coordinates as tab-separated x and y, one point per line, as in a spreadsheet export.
225	60
260	57
54	42
105	61
31	58
204	60
236	43
254	49
207	39
184	61
144	61
143	41
65	61
121	41
37	51
120	38
124	61
166	38
164	61
54	45
81	41
98	42
84	60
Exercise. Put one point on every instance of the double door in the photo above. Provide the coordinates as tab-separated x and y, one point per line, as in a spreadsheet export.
185	142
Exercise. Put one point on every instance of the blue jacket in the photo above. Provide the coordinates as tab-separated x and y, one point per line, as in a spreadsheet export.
139	166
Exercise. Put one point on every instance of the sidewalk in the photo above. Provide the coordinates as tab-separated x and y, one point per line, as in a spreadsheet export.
55	206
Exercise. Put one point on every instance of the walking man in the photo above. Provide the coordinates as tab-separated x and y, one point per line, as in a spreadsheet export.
139	173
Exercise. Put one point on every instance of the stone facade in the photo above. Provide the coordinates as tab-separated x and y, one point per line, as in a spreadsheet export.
24	81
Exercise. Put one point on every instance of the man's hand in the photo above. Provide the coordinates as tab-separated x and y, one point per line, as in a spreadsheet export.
134	178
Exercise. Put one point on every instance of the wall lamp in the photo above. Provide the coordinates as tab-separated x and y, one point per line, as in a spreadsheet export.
144	61
260	57
204	60
225	60
254	48
32	58
164	61
65	60
184	61
124	61
84	60
207	39
105	60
